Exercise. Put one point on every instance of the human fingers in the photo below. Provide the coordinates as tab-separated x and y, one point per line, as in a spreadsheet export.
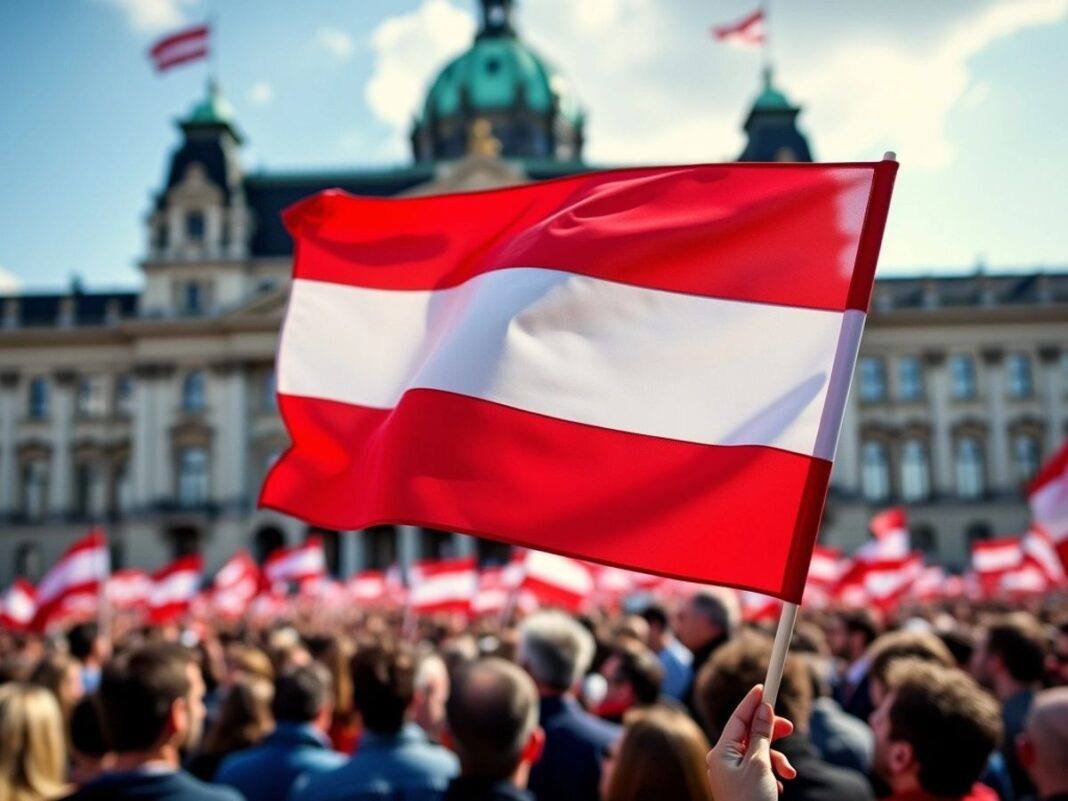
738	727
781	765
781	728
760	730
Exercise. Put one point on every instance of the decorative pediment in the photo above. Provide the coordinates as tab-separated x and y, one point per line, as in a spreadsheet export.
469	174
195	189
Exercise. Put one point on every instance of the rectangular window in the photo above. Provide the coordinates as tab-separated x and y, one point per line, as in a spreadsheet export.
872	377
962	372
91	401
37	402
194	226
1021	384
910	378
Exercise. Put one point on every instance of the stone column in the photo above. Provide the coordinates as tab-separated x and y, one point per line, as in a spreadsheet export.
165	402
143	444
463	545
62	410
229	413
407	546
998	454
9	409
942	440
352	554
1053	403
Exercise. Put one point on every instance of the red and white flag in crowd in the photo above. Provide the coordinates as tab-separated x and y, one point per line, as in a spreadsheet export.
555	580
129	589
376	587
300	563
174	587
235	585
443	586
496	586
890	530
637	367
180	47
748	32
17	606
824	573
1038	549
73	582
1048	496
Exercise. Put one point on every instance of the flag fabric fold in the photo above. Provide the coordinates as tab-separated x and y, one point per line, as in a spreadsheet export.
643	368
73	583
180	47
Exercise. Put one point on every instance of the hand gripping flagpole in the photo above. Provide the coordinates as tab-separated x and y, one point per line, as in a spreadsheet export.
788	616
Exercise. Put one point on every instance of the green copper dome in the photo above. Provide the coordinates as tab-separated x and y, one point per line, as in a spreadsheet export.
500	71
213	109
770	98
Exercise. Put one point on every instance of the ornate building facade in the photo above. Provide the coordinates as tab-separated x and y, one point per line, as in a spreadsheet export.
153	412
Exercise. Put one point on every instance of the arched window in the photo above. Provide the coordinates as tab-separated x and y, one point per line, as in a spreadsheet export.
970	468
194	391
1026	456
923	539
185	541
915	470
875	471
192	476
437	544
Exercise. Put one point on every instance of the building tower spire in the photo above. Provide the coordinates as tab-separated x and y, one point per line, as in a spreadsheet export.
496	18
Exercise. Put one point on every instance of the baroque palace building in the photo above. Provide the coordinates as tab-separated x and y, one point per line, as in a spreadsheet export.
153	412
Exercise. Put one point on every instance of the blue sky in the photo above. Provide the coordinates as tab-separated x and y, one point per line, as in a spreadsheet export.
968	92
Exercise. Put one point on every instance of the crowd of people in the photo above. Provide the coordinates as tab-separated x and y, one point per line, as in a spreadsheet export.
643	703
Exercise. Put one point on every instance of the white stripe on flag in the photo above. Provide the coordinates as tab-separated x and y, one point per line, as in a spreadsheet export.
583	350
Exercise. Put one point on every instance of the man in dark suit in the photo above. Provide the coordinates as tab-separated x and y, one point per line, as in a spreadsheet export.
153	705
556	651
729	675
850	635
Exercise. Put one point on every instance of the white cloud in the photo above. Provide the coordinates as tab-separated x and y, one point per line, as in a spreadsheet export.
336	42
975	95
261	93
9	282
408	50
153	16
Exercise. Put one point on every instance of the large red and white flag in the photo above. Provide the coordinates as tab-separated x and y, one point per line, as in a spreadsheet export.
443	586
1038	549
300	563
76	575
890	530
129	589
180	47
645	368
235	585
748	32
17	606
173	589
1048	496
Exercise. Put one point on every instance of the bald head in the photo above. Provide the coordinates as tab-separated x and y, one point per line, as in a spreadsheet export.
491	713
1047	729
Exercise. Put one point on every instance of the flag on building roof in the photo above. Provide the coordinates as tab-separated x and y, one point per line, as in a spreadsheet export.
180	47
748	32
643	368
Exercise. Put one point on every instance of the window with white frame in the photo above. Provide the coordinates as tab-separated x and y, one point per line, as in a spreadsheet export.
1021	382
970	464
871	374
875	470
915	470
90	400
192	476
962	375
910	378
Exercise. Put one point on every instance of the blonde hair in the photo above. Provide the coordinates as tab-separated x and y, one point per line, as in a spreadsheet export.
33	751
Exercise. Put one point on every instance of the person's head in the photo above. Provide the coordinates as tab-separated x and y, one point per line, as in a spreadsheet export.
88	747
895	645
739	665
492	720
86	644
851	632
244	660
1058	655
661	755
1042	747
32	745
656	618
304	695
61	674
431	691
708	616
634	676
383	685
556	650
1011	654
153	701
244	717
934	730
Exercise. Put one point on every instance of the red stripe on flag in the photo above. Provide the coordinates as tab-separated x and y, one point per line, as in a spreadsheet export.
728	231
174	39
183	58
462	464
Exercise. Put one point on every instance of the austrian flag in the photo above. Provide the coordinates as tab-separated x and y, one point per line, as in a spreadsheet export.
644	368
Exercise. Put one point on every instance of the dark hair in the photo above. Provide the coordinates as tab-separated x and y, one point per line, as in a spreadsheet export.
86	731
655	615
639	667
1017	640
383	683
137	691
951	724
735	668
301	693
895	645
81	638
863	622
491	712
243	718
